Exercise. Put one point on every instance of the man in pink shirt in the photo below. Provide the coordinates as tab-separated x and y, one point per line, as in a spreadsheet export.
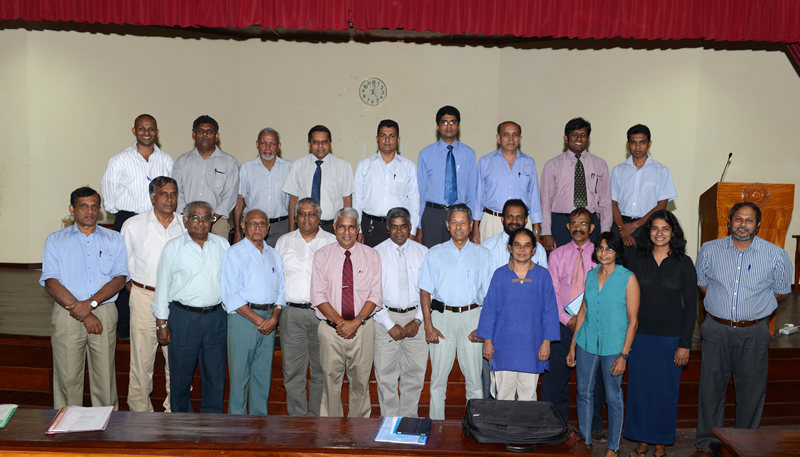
574	179
345	293
568	266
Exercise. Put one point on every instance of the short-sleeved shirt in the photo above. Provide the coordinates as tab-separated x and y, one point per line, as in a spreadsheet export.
214	180
498	183
431	171
326	277
337	182
261	188
250	275
637	191
456	277
381	186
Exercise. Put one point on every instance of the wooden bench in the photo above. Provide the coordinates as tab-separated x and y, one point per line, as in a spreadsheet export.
758	443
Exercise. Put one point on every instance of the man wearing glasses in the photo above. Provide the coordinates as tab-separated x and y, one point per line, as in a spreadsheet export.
187	305
447	175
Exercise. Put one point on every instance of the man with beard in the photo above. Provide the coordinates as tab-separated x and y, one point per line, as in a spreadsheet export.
207	173
514	217
252	293
260	182
568	266
743	277
506	174
446	175
145	236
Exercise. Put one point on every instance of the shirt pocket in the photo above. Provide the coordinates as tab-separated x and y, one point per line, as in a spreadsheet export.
106	263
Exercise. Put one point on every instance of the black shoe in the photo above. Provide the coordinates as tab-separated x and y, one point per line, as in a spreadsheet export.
599	436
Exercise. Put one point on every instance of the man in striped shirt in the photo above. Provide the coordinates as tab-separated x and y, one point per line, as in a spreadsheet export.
743	278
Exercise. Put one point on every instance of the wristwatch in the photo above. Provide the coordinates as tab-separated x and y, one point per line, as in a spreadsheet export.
418	321
94	304
363	319
624	356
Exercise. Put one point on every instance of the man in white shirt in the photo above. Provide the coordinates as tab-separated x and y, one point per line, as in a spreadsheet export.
260	182
145	236
298	322
383	181
322	176
640	186
401	351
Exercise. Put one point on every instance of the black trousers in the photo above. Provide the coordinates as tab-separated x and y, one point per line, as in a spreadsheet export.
434	230
374	231
123	299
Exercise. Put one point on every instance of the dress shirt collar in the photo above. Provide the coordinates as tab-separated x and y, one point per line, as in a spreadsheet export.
755	244
647	163
378	157
443	145
152	219
213	154
571	155
135	150
77	231
587	246
452	246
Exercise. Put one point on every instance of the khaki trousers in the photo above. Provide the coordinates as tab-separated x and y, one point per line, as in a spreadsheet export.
512	385
144	346
491	225
70	342
336	355
405	360
221	228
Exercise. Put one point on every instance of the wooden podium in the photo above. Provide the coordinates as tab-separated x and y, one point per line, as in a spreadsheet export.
776	202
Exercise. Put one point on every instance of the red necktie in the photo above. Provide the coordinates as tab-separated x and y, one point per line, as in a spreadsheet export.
347	288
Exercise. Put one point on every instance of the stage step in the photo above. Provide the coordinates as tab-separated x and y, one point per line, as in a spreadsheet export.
26	364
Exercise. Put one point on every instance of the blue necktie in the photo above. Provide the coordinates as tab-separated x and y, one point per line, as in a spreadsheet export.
450	178
316	183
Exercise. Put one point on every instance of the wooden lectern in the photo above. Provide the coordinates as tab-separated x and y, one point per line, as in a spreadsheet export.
775	200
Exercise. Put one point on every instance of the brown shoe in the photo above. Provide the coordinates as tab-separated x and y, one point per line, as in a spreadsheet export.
702	453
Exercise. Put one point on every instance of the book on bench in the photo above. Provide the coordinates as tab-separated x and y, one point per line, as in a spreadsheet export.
74	419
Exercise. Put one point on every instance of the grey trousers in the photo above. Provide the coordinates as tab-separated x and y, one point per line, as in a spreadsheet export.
743	352
276	231
299	350
404	360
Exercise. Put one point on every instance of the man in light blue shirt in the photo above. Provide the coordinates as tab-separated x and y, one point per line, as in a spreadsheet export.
640	186
453	282
252	293
260	182
505	174
446	175
189	316
83	268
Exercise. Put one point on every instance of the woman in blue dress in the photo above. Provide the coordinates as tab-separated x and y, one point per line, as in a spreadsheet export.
518	320
604	333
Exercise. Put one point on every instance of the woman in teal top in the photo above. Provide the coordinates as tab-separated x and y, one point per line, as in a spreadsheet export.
604	332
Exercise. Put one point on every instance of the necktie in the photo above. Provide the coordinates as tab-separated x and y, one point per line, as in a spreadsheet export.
578	277
450	178
316	182
402	279
347	288
580	184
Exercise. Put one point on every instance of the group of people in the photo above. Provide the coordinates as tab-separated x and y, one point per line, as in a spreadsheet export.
583	273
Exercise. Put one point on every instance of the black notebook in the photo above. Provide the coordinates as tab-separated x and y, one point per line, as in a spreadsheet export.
414	426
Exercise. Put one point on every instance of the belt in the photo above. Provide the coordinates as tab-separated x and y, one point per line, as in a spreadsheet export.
401	310
332	325
300	305
375	218
437	305
258	307
493	213
736	324
437	206
142	286
630	219
196	309
278	219
326	222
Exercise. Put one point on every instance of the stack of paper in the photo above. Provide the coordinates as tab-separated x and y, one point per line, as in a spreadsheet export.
387	433
6	411
71	419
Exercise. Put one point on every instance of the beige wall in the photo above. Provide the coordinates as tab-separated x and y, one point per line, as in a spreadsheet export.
69	100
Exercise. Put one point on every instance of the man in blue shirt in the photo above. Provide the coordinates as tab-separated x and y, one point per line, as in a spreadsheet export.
743	277
453	282
252	293
83	268
446	175
189	316
506	174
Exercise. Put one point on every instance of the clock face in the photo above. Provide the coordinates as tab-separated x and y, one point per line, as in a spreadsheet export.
372	91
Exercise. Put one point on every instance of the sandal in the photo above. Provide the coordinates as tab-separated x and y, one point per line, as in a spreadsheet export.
640	454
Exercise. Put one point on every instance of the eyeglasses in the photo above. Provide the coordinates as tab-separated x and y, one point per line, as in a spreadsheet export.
451	122
307	214
579	224
398	227
206	219
254	224
601	249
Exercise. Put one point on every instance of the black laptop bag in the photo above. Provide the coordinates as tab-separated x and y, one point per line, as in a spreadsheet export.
514	423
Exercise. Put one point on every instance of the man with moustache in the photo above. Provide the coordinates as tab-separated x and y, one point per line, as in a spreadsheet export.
260	182
298	322
83	268
207	173
401	351
384	181
640	186
322	176
345	292
568	266
252	293
125	189
145	236
446	175
743	277
506	174
453	282
189	316
574	179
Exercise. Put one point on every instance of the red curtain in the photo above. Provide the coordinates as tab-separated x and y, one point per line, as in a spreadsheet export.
722	20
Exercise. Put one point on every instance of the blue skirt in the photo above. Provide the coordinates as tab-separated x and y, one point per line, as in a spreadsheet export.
653	385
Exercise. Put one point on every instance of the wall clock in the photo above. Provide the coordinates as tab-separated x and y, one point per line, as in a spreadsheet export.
372	91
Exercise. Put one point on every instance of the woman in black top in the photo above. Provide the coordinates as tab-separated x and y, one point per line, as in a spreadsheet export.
667	315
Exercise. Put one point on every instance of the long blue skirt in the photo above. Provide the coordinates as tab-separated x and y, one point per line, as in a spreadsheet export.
653	385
